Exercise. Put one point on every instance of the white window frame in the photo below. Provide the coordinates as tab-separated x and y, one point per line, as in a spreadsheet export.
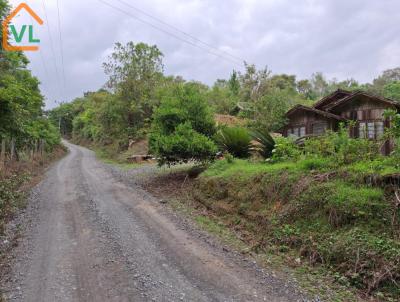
371	129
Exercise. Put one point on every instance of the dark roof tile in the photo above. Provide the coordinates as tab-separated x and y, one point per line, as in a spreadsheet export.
358	93
317	111
332	97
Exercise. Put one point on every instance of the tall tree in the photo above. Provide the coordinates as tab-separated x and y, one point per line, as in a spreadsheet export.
134	72
221	97
21	103
234	84
387	77
305	88
392	90
320	85
253	83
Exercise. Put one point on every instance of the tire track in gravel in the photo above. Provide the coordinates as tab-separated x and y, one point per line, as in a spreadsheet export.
93	237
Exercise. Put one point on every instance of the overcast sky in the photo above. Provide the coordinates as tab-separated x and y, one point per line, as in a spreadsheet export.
341	38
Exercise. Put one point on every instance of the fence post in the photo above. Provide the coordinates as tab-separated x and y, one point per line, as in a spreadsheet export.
12	149
3	153
41	147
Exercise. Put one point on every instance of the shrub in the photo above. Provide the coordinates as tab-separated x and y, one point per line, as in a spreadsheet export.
285	149
43	129
265	143
229	158
321	146
395	156
341	147
182	127
183	145
355	150
394	133
235	140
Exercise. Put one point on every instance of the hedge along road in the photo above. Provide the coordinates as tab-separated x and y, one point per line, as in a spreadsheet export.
91	237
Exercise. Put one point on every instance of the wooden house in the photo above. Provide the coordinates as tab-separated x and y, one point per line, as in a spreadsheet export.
366	110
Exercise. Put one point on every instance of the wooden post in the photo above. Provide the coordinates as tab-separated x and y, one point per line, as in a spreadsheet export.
36	148
12	149
41	147
3	153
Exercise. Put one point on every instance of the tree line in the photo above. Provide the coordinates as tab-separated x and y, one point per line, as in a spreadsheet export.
23	123
139	100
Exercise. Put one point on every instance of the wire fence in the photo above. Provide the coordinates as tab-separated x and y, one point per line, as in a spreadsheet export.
30	151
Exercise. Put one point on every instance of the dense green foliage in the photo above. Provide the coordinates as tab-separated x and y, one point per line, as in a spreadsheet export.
137	86
182	127
135	71
182	145
392	90
342	148
332	147
21	103
285	149
324	204
394	134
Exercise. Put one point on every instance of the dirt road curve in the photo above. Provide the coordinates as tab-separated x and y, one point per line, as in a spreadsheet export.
91	237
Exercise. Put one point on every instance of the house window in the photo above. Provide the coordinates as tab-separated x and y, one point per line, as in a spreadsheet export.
319	128
371	129
302	131
379	129
297	131
362	130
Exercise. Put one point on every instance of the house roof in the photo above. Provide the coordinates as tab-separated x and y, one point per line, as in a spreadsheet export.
361	93
334	96
314	110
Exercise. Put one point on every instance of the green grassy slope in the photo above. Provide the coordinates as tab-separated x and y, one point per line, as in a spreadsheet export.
309	210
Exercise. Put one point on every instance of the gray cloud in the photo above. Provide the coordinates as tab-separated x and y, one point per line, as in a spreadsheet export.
343	39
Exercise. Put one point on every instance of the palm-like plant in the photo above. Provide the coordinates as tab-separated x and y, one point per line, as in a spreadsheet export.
265	143
235	140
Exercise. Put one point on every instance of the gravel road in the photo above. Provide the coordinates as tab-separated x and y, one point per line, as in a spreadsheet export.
88	235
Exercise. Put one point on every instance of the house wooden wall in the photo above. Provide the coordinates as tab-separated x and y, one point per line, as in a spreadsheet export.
307	119
366	109
361	109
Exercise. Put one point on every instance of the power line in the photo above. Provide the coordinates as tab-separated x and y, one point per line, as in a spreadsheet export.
181	31
61	44
46	72
169	33
52	48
